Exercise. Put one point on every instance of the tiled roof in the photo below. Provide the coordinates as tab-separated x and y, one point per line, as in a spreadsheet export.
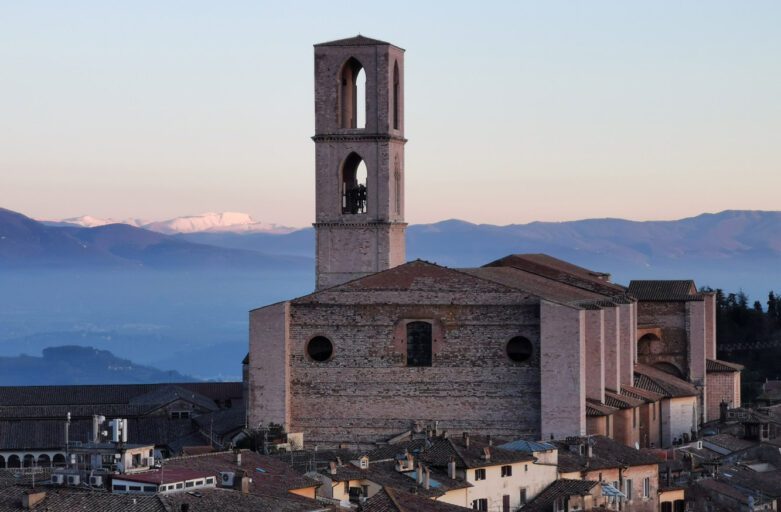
69	499
473	456
728	442
394	500
234	501
274	477
596	409
166	476
621	401
171	393
664	290
768	483
561	271
358	40
606	453
107	394
642	394
716	365
559	489
653	379
522	445
223	421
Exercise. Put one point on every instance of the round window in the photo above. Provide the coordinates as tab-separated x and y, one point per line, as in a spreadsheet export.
519	349
320	348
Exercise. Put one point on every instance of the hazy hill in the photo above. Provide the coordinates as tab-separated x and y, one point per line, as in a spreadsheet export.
25	243
79	365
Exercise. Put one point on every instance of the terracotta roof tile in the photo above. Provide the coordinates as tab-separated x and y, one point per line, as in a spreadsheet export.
716	365
664	290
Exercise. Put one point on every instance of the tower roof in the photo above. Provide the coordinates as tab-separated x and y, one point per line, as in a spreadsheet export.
358	40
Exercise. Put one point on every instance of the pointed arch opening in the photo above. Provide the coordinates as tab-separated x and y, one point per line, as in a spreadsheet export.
419	344
354	181
396	86
352	82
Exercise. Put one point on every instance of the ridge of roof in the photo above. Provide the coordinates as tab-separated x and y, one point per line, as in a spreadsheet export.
665	290
358	40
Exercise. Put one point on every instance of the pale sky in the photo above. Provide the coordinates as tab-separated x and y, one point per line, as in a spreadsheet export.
516	111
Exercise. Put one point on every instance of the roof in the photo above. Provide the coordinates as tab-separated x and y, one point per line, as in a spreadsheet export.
358	40
716	365
270	476
658	381
522	445
166	476
621	401
664	290
234	501
171	393
597	409
562	271
69	499
93	395
559	489
606	453
728	442
642	394
394	500
442	450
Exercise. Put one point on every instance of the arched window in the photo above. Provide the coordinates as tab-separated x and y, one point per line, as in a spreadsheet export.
354	179
44	461
648	344
418	344
396	95
397	184
29	461
58	460
14	462
353	94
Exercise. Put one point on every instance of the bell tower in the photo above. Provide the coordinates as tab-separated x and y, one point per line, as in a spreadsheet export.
359	158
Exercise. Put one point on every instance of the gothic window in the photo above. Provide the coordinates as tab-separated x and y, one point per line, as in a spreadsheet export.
352	82
397	185
320	349
396	95
418	344
519	349
354	191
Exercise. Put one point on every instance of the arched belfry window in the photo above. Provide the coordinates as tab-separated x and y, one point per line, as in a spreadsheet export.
396	86
419	344
354	192
352	82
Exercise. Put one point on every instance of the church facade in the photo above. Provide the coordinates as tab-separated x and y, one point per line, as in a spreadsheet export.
527	346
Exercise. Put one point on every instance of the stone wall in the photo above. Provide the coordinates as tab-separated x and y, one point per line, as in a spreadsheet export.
670	318
722	386
269	386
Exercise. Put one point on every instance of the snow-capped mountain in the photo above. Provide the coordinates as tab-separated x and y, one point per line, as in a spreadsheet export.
234	222
88	221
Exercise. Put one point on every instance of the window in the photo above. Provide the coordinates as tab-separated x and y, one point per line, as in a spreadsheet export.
507	471
634	417
118	487
210	481
320	349
180	485
523	497
418	344
354	185
397	184
150	488
199	483
506	503
353	95
396	87
519	349
480	474
646	487
628	489
134	488
189	484
480	504
653	408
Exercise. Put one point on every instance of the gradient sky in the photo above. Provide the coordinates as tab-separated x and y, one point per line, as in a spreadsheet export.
516	111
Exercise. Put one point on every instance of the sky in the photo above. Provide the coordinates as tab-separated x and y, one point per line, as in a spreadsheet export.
515	111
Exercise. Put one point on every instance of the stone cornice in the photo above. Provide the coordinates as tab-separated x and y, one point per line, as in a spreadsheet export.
357	137
350	225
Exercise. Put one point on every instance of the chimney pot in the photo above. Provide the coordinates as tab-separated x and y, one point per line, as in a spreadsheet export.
466	439
490	441
487	453
419	474
451	468
332	467
427	478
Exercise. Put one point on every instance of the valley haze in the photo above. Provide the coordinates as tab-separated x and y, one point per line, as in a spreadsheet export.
175	294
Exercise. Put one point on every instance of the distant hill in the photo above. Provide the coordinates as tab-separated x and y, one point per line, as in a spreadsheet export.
25	242
79	365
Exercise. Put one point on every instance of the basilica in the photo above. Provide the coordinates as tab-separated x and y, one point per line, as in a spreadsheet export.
527	346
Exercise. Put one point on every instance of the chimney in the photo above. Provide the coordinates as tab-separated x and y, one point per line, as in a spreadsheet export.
419	474
32	498
245	480
451	468
466	440
490	441
332	467
486	453
589	450
238	458
427	478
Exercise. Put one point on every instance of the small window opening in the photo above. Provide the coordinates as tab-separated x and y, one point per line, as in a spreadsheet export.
320	349
353	95
354	191
395	95
397	184
418	344
519	349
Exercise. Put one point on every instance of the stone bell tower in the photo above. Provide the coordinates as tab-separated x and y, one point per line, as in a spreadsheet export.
359	158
